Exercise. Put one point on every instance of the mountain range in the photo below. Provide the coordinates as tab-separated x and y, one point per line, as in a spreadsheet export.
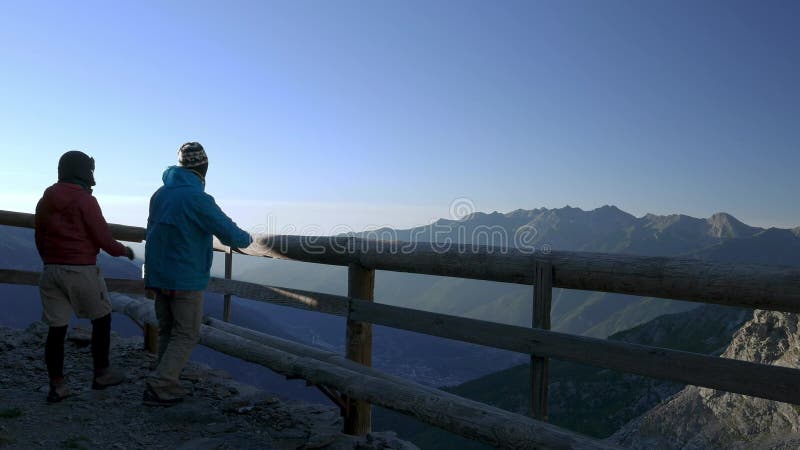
720	237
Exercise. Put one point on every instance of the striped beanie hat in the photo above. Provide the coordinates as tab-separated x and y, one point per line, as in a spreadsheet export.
191	155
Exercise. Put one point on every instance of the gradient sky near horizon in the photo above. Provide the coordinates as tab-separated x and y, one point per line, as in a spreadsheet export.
376	113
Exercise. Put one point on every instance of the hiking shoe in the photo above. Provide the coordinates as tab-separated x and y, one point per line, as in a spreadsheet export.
107	378
150	398
58	391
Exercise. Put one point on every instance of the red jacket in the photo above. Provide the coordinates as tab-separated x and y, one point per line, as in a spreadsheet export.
70	228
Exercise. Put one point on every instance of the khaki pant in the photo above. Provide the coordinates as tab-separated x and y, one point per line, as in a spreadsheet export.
179	315
65	289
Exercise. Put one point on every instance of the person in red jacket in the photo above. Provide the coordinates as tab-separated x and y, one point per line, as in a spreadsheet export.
70	231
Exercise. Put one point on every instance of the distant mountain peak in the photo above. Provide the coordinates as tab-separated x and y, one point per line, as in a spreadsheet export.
722	216
720	225
724	225
612	211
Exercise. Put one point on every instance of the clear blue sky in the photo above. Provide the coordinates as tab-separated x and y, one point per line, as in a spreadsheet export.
381	113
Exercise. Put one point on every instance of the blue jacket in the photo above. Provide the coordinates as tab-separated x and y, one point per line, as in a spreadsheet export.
182	221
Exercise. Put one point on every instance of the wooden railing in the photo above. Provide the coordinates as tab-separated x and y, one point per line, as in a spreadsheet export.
744	285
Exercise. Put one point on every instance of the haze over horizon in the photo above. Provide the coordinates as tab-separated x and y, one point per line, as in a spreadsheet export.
384	114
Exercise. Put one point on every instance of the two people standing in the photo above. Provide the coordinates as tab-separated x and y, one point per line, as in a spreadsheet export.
70	230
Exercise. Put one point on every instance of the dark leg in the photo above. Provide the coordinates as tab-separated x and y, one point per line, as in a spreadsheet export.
165	322
101	341
54	352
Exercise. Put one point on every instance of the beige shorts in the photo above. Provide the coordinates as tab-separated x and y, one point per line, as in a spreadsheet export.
66	289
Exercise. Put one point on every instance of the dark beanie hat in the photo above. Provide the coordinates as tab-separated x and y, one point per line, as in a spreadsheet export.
192	156
76	167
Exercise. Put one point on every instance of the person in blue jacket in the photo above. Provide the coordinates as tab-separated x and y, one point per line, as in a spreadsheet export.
178	253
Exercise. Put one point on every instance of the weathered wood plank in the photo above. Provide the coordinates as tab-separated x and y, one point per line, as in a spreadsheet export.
542	298
470	419
27	277
360	285
295	298
775	288
26	220
125	286
8	276
311	352
465	417
701	370
139	309
777	383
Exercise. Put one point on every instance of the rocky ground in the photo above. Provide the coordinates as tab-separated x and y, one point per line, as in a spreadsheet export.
219	413
700	418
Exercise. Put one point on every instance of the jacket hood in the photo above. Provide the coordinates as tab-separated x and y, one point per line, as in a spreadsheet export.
76	167
176	176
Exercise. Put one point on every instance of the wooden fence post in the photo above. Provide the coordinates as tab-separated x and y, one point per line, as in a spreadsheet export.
542	297
360	285
226	313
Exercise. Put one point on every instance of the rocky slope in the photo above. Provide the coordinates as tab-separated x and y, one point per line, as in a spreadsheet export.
703	418
590	400
219	413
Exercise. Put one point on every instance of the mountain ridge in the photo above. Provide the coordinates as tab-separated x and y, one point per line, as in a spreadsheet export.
604	229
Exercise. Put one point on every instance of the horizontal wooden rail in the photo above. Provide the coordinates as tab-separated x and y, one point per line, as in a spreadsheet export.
312	352
120	232
743	377
126	233
27	277
19	277
690	368
775	288
466	417
295	298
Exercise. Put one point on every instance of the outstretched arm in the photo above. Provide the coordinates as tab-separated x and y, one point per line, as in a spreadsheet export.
216	222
